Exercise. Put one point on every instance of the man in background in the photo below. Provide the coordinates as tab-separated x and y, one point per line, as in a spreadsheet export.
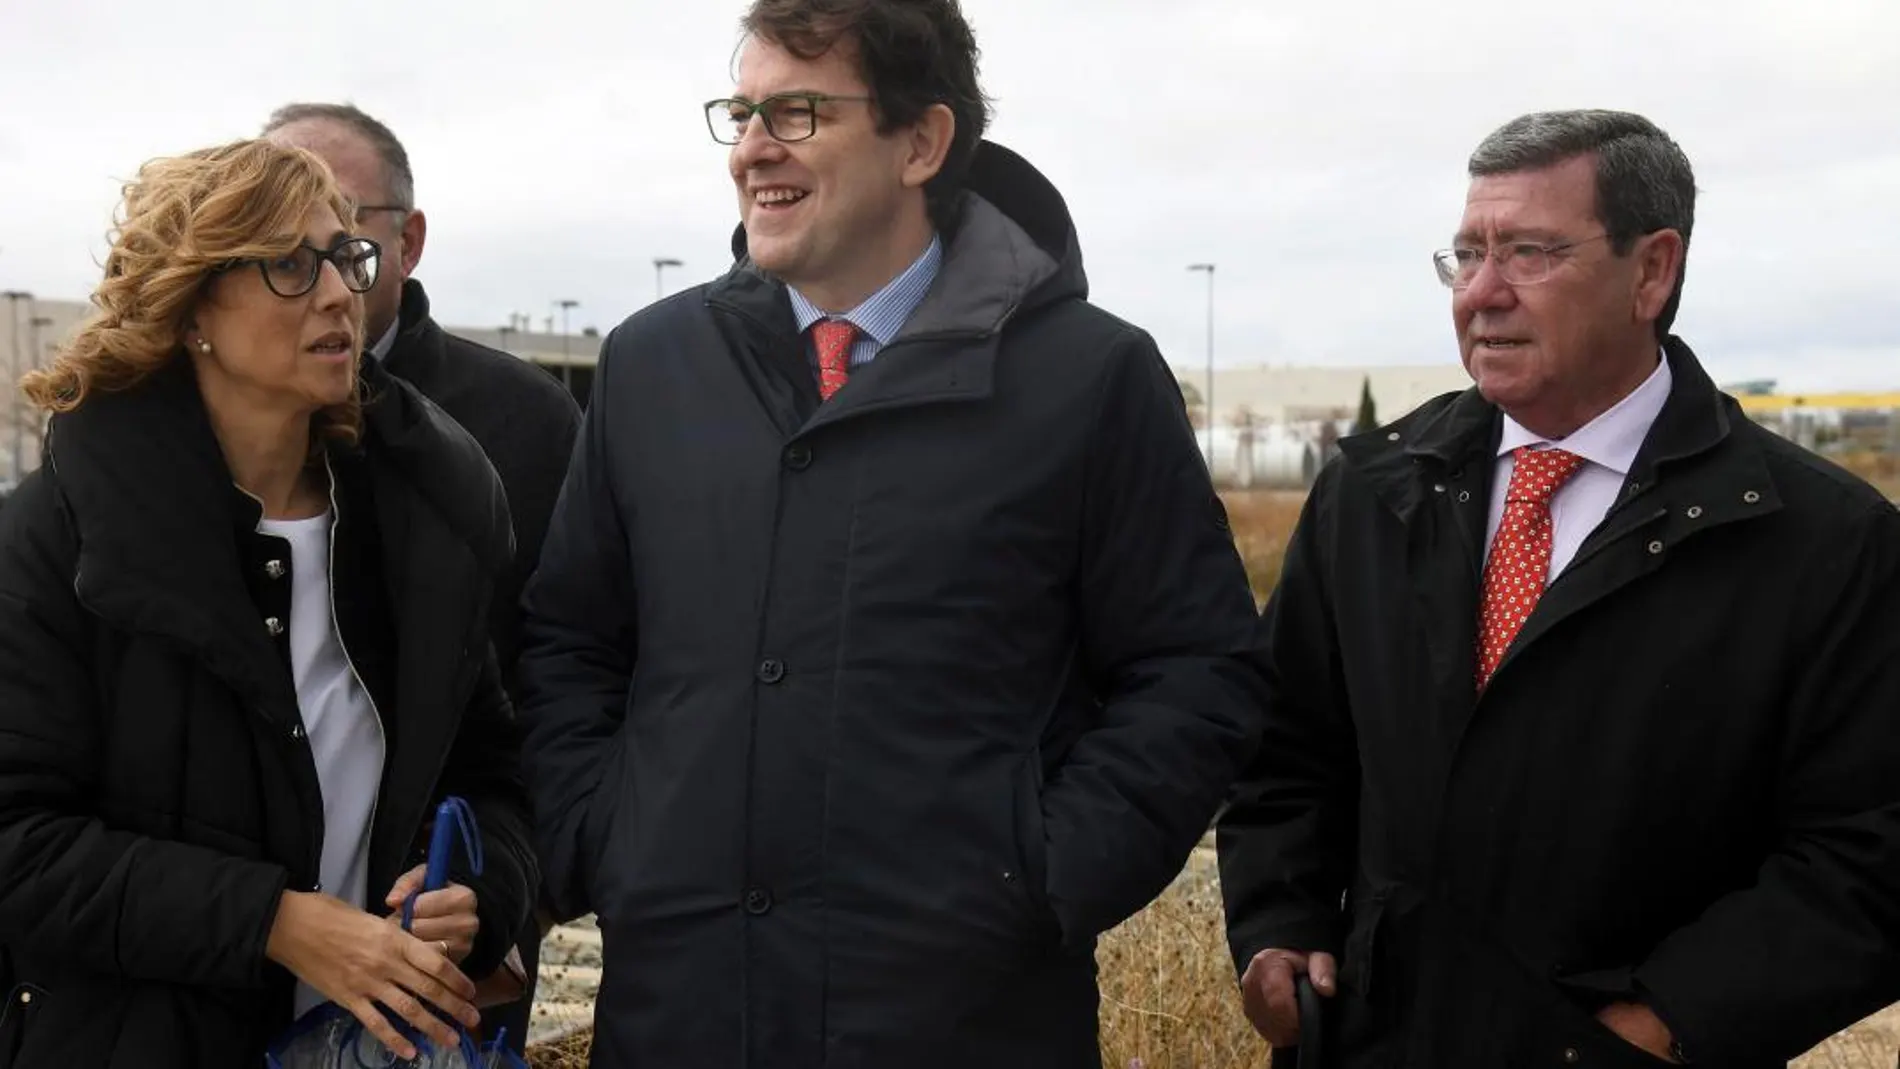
520	415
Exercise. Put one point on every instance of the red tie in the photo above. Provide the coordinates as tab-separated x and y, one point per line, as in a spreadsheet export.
833	338
1515	574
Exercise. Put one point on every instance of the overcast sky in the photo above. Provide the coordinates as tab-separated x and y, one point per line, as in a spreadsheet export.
1313	151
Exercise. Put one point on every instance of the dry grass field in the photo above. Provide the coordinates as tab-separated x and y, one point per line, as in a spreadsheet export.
1169	999
1881	469
1168	993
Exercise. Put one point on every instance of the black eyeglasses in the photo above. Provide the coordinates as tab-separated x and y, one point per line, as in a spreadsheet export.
295	273
788	116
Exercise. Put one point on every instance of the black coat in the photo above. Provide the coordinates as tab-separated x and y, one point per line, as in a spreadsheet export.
157	793
525	422
857	721
1681	787
522	418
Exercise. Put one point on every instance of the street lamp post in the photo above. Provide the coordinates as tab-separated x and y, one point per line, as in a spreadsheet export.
38	361
14	297
660	264
1207	402
33	330
506	331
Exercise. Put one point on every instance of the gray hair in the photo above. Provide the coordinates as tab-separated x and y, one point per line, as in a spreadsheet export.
1644	181
399	180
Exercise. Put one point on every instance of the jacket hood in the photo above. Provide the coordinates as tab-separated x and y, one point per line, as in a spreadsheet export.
1012	248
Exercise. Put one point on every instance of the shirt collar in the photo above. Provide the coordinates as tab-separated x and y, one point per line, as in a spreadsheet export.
387	341
1612	439
882	314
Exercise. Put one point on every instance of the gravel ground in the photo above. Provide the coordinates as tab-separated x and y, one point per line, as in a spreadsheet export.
570	974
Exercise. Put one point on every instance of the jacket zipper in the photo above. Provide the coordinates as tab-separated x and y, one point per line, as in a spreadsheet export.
336	628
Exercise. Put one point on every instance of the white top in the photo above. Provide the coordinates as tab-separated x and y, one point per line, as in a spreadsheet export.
344	730
1609	443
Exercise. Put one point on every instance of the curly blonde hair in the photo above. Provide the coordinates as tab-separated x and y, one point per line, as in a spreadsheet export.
181	219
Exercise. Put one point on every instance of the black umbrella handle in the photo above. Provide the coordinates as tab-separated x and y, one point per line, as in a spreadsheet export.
1311	1052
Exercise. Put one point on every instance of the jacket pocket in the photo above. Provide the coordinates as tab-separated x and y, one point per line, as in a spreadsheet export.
1569	1033
1359	956
1576	1037
596	839
1030	877
16	1016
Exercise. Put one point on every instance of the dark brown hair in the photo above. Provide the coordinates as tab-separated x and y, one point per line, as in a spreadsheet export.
911	53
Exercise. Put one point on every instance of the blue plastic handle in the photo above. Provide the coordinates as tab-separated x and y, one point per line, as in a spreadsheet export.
452	816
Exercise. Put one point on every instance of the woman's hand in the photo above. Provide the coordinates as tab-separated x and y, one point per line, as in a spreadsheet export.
357	960
444	919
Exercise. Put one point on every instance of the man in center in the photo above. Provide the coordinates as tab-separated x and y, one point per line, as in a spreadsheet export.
889	643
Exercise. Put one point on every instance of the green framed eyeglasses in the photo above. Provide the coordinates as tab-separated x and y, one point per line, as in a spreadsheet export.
787	116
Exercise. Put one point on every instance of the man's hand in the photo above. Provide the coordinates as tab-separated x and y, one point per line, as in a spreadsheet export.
1638	1026
445	919
1267	993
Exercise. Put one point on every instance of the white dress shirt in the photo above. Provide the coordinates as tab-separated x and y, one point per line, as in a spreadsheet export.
882	314
1608	443
386	342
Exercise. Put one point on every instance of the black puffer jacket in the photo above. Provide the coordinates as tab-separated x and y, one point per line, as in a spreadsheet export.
157	792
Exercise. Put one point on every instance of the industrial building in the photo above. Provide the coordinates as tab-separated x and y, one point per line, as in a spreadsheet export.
32	328
1274	426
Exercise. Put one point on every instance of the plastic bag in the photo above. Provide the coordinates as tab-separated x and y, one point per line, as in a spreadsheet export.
330	1037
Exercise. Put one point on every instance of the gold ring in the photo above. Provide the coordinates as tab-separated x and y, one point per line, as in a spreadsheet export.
444	945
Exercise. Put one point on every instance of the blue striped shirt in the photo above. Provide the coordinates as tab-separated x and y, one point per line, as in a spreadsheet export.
882	314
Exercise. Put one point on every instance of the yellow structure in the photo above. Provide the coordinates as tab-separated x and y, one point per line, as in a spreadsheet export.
1755	404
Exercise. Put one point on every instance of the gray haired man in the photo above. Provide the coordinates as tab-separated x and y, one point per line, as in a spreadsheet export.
1582	734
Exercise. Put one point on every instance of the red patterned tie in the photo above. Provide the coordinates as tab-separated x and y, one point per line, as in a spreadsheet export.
1515	574
833	338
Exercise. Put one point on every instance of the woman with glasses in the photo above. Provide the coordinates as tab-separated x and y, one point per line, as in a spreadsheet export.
242	653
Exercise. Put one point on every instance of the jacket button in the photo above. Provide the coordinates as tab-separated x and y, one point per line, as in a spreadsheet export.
273	625
274	569
771	671
798	457
758	901
1572	1056
297	732
26	997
